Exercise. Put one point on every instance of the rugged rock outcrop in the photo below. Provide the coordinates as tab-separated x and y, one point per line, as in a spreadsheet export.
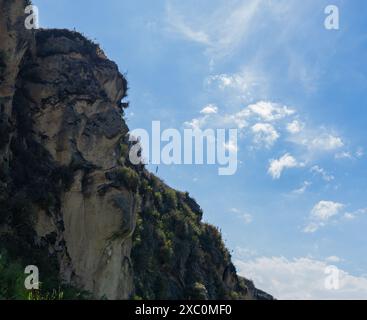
70	201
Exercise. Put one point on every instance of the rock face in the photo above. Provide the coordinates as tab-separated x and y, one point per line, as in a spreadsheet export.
74	96
70	201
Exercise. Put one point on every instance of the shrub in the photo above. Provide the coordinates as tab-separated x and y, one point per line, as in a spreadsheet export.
170	198
158	200
155	182
199	292
128	177
54	295
11	279
124	153
145	188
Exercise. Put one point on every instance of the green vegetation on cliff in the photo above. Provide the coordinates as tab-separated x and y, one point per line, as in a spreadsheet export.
175	255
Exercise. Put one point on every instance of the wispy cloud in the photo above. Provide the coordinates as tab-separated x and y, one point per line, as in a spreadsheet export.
303	188
316	140
269	111
344	155
251	115
355	214
301	278
359	152
221	30
349	155
326	142
321	214
333	259
264	134
228	26
243	86
277	166
324	175
244	216
329	212
295	127
209	109
178	23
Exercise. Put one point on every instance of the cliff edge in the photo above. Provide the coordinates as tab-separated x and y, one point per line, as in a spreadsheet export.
70	200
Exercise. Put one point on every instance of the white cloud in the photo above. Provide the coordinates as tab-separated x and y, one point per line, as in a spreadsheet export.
235	81
178	24
343	155
324	210
303	188
245	217
269	111
359	152
333	259
225	81
265	134
326	142
295	127
266	111
209	109
349	216
221	30
244	85
278	165
300	279
324	175
321	214
355	214
315	140
197	123
350	155
312	227
245	253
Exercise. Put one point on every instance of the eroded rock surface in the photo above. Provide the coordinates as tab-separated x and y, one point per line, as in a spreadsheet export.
70	201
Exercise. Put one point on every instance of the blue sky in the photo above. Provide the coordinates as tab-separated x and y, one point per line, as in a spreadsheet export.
297	93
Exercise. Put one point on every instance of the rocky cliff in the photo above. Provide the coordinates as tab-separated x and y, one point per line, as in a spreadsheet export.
71	202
